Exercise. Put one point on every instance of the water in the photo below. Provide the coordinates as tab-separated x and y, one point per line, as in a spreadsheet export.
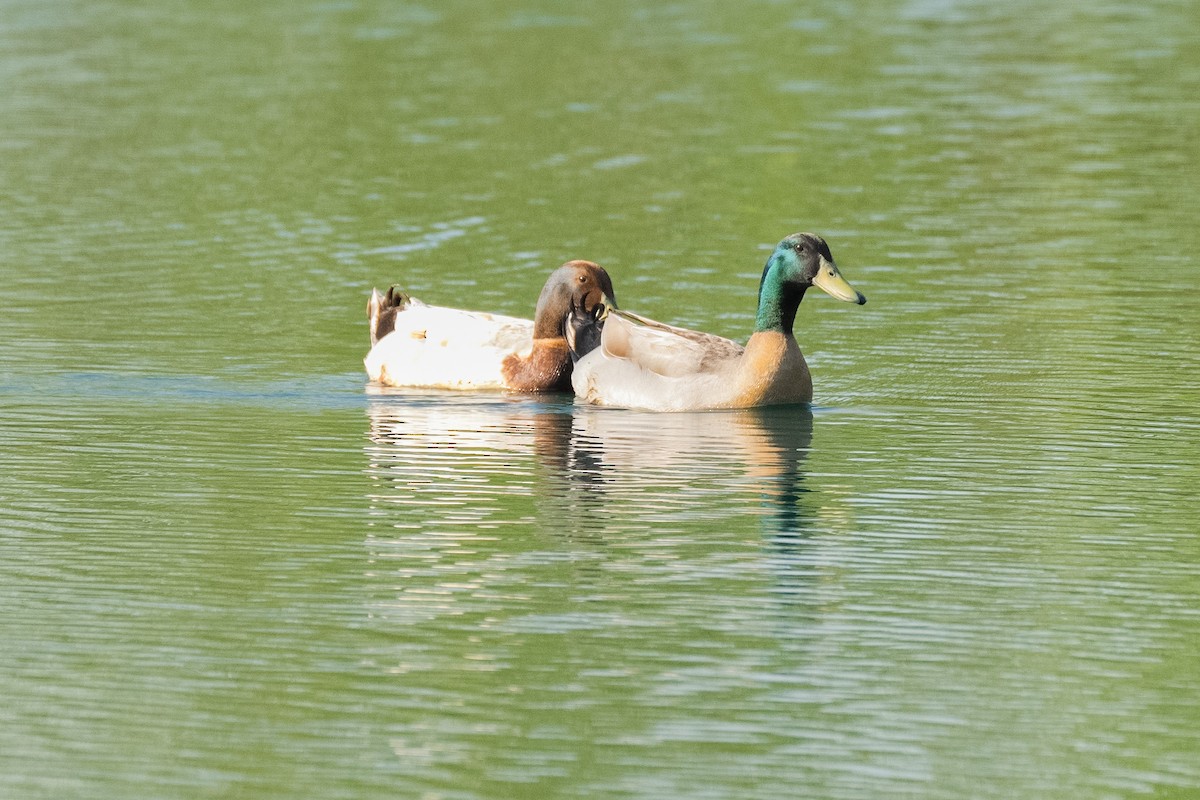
228	569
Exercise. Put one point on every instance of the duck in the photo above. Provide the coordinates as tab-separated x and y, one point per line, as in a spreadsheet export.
629	361
417	345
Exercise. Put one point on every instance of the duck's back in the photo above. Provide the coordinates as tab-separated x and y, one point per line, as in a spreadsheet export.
665	349
447	348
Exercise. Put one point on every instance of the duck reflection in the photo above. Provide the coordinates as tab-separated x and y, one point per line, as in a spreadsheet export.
452	458
690	466
470	456
451	471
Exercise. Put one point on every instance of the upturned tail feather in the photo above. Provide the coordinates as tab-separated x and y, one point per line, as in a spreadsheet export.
382	310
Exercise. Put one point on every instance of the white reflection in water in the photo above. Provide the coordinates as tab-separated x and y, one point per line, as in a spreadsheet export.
445	462
671	498
575	554
689	467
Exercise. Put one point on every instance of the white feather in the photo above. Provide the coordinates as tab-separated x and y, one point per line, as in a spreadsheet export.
446	348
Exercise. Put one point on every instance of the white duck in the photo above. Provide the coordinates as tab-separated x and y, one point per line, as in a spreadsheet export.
422	346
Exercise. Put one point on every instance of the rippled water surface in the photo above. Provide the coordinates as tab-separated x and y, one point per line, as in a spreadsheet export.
230	569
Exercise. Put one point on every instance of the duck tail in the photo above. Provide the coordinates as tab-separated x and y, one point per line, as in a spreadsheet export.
382	310
582	330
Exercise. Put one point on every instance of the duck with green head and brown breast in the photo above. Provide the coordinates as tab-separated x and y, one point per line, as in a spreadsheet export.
624	360
433	347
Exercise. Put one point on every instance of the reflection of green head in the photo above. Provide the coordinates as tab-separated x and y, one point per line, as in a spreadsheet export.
801	260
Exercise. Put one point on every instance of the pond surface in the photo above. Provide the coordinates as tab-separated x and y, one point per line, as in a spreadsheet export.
230	569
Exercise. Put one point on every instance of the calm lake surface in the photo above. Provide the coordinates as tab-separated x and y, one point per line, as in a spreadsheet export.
230	569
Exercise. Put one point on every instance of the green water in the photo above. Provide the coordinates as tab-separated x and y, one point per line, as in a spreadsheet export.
229	569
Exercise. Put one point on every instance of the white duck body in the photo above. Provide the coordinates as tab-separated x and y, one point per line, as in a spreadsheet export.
417	345
433	347
647	365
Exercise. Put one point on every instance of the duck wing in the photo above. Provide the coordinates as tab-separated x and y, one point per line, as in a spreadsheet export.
664	349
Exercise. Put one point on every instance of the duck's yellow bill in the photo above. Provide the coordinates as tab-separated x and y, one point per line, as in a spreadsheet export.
608	305
830	281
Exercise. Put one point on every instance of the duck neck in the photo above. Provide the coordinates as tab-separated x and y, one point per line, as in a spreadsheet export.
549	314
777	302
545	327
